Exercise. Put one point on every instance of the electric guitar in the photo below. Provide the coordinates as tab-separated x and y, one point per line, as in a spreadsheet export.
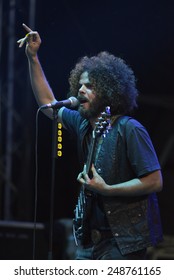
82	210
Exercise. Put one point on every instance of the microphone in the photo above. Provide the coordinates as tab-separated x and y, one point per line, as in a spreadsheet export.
70	102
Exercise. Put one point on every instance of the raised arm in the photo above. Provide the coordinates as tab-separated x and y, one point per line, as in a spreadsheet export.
41	88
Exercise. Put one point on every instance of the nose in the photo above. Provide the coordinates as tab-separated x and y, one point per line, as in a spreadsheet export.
82	89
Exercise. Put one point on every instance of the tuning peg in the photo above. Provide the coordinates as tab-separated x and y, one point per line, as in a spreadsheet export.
103	114
107	110
100	119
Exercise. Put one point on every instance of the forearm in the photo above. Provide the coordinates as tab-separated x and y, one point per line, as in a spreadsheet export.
136	187
40	86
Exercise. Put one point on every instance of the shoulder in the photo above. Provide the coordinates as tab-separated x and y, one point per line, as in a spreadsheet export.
129	121
73	121
129	125
69	116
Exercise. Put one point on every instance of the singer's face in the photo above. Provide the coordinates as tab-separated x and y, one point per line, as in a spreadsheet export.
89	102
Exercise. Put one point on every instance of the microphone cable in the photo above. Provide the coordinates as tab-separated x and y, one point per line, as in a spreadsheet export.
36	185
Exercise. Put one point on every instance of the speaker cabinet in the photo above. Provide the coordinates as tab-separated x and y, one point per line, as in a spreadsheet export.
16	241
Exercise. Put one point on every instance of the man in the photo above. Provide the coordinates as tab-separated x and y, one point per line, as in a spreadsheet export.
117	215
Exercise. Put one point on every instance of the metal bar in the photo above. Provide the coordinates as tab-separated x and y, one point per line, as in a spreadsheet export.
9	102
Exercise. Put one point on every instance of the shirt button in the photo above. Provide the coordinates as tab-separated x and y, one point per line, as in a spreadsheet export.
116	234
99	170
109	212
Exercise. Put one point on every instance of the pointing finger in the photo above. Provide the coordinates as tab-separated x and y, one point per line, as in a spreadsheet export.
27	28
23	40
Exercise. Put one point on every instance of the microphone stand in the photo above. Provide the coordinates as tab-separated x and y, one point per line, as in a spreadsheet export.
54	156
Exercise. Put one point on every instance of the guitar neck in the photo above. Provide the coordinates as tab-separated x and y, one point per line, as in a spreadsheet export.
102	128
91	153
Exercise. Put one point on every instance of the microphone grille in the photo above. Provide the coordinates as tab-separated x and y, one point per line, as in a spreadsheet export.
74	101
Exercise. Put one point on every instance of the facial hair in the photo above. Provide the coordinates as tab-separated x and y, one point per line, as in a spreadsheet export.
95	108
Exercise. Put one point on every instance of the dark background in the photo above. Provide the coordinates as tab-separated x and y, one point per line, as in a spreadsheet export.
142	33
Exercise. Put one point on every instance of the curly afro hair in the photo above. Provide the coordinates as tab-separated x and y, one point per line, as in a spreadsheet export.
112	80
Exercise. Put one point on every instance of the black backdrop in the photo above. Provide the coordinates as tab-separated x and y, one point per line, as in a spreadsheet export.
141	32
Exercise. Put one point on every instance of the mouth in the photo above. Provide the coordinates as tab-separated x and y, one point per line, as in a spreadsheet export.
82	99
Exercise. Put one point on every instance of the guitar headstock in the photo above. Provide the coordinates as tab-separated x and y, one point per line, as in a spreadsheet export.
104	123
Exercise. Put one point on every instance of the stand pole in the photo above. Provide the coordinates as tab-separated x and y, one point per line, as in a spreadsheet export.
54	155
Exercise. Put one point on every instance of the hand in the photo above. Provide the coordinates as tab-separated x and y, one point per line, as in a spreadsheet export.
32	40
96	183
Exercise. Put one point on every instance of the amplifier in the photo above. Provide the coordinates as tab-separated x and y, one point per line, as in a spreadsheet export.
16	241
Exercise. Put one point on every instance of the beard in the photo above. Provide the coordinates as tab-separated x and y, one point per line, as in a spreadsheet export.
96	106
